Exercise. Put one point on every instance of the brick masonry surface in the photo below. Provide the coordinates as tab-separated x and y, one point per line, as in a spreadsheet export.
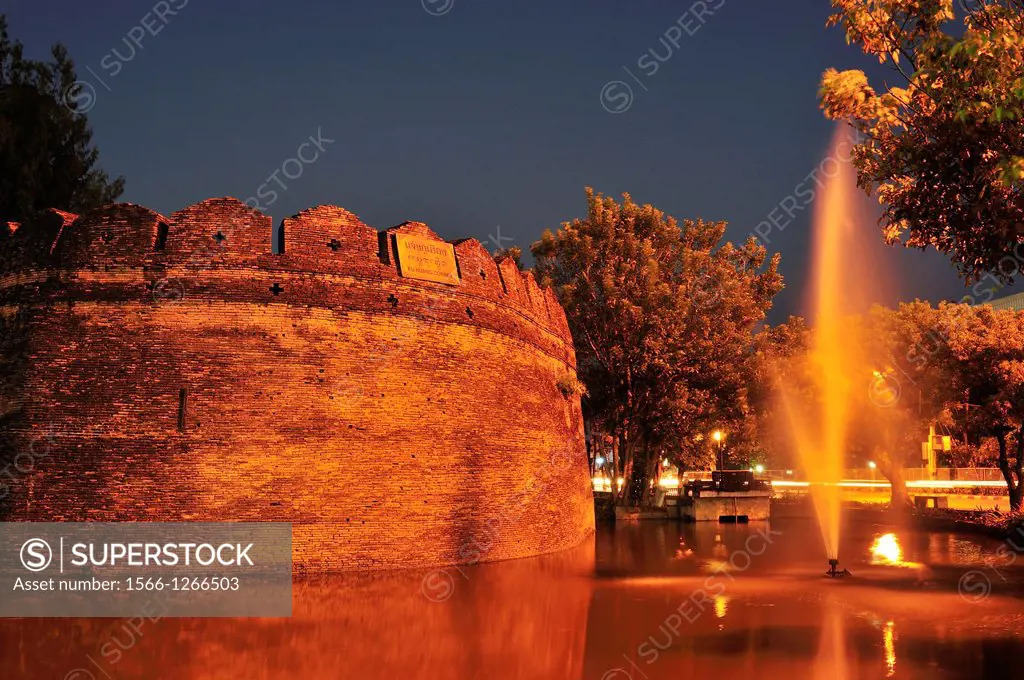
174	368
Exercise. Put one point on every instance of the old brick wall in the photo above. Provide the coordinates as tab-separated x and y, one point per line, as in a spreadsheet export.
183	372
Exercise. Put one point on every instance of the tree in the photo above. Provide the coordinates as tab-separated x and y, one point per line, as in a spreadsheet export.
513	252
47	159
945	152
984	454
911	386
662	315
780	358
987	347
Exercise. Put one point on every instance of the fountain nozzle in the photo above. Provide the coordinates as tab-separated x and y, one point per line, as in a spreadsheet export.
834	571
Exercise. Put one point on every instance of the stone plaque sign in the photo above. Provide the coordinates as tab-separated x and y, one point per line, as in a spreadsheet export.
426	259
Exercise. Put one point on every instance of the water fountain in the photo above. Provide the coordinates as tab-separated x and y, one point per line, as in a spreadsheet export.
841	285
834	571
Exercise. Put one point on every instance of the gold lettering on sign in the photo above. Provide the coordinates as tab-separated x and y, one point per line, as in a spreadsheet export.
426	259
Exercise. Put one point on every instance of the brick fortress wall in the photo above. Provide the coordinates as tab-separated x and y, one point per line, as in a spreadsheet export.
174	368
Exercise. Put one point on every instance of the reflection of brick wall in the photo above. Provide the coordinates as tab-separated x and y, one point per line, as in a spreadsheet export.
520	619
395	422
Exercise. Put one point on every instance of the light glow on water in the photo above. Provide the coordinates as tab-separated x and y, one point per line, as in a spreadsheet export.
889	644
886	550
831	662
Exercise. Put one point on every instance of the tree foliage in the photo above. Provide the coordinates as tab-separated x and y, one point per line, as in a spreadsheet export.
780	358
513	252
984	454
955	367
662	314
47	159
987	350
945	150
910	387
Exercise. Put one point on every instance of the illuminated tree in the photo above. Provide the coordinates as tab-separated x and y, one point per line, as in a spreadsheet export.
987	347
513	252
909	386
945	151
663	317
780	358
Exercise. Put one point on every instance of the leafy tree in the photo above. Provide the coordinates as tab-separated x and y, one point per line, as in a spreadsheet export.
663	317
944	152
514	252
987	347
949	366
984	454
780	359
46	155
910	386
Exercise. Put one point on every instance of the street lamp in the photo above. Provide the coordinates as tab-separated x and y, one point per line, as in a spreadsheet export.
718	436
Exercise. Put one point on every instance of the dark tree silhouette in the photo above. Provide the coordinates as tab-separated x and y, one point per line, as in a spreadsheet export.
47	159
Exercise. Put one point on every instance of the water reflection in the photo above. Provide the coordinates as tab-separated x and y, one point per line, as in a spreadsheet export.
886	550
889	644
637	603
721	606
517	619
831	662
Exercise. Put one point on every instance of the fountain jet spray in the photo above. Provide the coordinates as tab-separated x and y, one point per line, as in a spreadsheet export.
844	282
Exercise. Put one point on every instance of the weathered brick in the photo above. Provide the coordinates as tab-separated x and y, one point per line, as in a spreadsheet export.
395	422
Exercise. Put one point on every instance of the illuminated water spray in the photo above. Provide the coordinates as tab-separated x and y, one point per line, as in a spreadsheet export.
843	278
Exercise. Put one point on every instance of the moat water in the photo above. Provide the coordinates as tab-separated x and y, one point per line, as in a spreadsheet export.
640	602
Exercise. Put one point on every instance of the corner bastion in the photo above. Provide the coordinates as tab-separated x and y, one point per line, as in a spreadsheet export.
177	368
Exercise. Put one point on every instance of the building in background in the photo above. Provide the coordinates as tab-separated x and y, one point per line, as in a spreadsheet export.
1014	302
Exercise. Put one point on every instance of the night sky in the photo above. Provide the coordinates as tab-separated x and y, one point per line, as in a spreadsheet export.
470	114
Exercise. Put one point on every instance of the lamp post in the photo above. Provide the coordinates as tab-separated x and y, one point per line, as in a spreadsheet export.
718	436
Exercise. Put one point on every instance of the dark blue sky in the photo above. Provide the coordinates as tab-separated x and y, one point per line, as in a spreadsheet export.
488	114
